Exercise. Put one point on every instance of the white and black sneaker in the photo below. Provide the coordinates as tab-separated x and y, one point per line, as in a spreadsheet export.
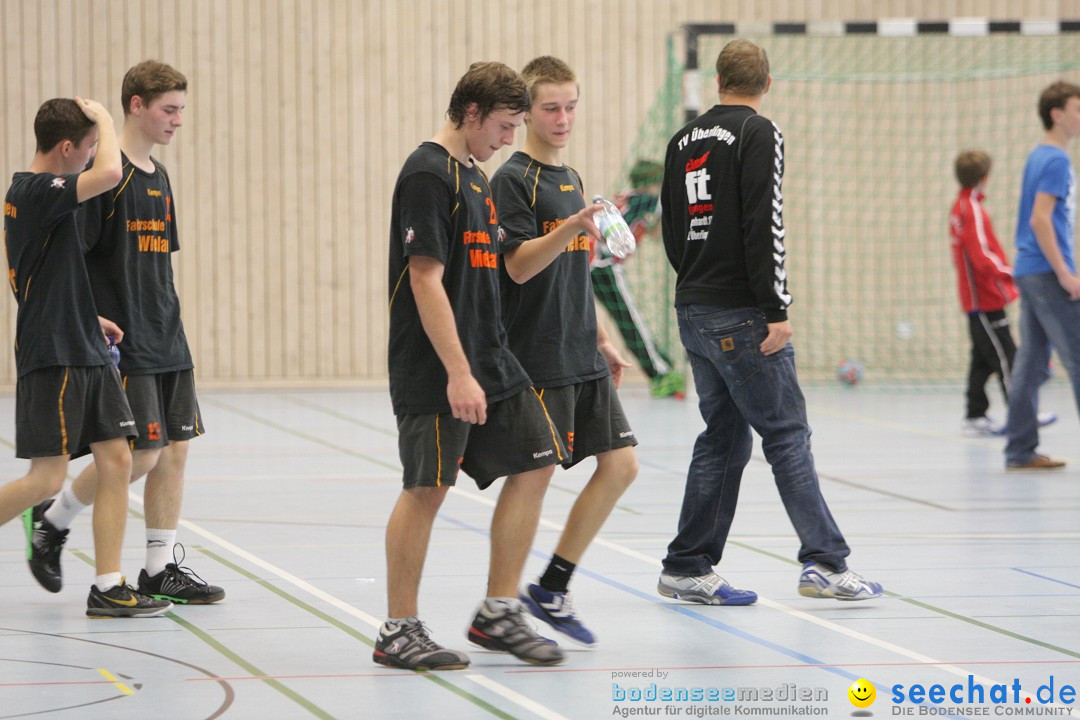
506	630
407	645
818	581
179	584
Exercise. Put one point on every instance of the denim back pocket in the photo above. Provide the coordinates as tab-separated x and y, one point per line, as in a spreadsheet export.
733	347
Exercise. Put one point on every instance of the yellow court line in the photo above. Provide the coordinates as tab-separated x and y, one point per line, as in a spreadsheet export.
119	685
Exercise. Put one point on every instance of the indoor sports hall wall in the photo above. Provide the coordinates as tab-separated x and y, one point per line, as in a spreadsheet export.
300	114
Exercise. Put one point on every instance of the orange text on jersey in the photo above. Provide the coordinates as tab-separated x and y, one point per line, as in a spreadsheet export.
482	258
480	237
153	243
154	225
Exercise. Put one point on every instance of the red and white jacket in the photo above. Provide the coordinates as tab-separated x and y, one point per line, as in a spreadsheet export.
984	277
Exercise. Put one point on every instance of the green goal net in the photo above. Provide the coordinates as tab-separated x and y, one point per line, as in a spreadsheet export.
872	124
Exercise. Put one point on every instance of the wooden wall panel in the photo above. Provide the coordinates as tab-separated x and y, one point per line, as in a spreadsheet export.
300	113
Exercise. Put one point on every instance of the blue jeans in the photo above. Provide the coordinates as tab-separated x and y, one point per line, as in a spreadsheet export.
739	388
1048	319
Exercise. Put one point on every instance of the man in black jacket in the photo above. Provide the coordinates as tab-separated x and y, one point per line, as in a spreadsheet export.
724	234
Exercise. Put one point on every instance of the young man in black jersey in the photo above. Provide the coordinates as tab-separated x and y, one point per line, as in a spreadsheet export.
131	234
462	400
724	234
69	397
551	324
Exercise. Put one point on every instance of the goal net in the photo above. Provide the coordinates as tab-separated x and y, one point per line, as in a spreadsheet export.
872	123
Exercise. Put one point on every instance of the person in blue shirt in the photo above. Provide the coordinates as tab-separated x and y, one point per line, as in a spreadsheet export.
1045	273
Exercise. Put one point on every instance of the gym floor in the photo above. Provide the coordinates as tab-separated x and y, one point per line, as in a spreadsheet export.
286	501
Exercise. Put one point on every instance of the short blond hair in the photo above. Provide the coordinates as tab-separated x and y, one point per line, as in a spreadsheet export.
546	69
743	68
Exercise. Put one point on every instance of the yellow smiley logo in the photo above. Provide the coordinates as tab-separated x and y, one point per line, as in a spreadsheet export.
861	693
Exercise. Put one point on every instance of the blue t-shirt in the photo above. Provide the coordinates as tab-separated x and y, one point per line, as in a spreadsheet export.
1047	170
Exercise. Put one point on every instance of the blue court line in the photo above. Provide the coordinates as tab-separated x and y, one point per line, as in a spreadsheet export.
1044	577
682	610
695	615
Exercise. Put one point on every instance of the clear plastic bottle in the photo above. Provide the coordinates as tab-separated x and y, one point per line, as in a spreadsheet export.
617	236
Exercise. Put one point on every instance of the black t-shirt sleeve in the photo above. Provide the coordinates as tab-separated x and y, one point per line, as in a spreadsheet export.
514	206
426	206
55	196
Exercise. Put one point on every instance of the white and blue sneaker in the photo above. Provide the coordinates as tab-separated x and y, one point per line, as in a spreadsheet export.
708	589
982	427
557	610
1047	418
818	581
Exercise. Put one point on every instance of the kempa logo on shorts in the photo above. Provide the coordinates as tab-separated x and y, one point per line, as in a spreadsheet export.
127	423
628	433
185	428
537	456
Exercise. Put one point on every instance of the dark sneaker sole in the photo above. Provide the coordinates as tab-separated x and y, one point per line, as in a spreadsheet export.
108	613
186	601
391	661
489	643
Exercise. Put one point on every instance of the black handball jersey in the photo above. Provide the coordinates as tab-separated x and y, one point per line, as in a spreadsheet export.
722	216
57	323
443	210
551	318
130	235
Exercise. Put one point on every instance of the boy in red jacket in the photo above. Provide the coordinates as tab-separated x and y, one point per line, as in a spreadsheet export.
985	283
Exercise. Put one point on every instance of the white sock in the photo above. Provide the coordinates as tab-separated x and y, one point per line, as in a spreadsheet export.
159	549
502	604
64	510
108	581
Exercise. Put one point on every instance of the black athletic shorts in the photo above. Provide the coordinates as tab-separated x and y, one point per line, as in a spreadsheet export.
589	417
62	410
165	408
517	437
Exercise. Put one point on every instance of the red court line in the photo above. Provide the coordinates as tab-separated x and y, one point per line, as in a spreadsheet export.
790	666
329	676
638	669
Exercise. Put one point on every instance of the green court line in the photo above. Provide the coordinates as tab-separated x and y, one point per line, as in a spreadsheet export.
348	629
301	435
341	416
231	655
933	608
252	669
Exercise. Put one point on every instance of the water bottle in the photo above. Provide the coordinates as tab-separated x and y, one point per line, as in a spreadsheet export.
617	236
114	353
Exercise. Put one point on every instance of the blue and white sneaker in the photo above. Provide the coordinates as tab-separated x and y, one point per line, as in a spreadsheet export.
557	610
818	581
1047	418
708	589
